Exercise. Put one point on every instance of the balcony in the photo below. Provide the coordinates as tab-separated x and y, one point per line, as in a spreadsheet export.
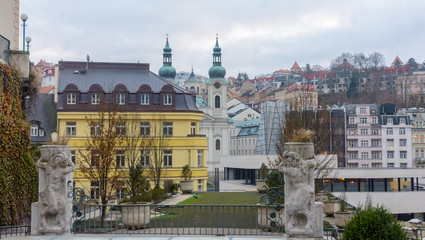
419	159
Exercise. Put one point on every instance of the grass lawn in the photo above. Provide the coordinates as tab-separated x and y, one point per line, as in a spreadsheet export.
224	198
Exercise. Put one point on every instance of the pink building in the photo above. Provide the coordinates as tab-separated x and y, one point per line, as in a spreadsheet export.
364	143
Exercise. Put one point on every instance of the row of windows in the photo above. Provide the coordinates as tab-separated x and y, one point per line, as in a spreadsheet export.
145	128
402	142
144	158
419	138
375	165
363	120
376	155
375	131
243	142
71	98
242	152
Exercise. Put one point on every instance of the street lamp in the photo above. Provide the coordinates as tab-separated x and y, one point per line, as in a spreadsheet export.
28	39
24	18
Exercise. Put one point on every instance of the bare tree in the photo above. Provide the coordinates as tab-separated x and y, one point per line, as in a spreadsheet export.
135	146
98	162
158	148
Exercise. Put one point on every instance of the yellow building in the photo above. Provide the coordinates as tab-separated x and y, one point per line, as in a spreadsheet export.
146	103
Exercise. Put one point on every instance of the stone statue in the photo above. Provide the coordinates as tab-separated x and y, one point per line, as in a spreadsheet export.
51	213
303	217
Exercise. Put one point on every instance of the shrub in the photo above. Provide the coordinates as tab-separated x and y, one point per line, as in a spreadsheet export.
274	179
186	172
373	223
157	195
263	171
172	188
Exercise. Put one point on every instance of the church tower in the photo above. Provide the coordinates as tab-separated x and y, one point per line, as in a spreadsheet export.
217	86
167	71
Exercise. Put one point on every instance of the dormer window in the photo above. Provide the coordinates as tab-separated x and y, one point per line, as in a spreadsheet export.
71	98
144	99
95	98
34	130
120	98
389	120
168	99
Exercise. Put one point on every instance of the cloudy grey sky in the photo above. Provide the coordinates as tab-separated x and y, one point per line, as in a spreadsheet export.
255	36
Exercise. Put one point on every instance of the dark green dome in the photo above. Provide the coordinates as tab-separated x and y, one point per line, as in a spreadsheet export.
217	72
167	72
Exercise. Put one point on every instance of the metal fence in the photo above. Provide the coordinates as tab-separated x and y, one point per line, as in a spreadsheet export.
8	231
177	219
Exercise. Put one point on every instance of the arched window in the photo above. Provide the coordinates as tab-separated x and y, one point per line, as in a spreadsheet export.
217	101
416	139
422	138
217	144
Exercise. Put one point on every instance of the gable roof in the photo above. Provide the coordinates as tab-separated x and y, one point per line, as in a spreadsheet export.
295	66
47	89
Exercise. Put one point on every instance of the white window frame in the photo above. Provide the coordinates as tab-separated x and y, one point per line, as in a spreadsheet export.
144	158
365	155
145	128
364	143
200	184
34	131
403	142
363	120
168	99
41	132
168	158
390	165
390	154
71	98
94	190
73	156
95	98
403	154
390	131
390	142
193	128
364	131
200	158
351	120
120	128
402	131
167	128
94	128
71	129
120	159
144	99
120	98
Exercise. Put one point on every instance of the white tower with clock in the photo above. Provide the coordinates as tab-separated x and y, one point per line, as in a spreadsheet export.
215	124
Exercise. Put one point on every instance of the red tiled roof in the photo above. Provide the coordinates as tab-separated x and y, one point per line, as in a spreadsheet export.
283	71
42	64
320	75
397	59
46	89
269	79
295	66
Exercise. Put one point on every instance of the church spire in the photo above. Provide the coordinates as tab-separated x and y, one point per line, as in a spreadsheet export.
217	71
167	71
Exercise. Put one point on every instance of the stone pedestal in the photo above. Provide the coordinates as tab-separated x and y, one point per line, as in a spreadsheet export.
303	216
52	213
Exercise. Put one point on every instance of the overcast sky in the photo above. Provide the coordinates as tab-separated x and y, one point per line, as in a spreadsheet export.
255	36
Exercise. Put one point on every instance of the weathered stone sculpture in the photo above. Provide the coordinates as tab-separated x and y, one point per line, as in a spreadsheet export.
303	217
52	213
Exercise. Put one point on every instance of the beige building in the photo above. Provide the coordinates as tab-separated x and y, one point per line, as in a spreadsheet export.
9	22
418	135
411	88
